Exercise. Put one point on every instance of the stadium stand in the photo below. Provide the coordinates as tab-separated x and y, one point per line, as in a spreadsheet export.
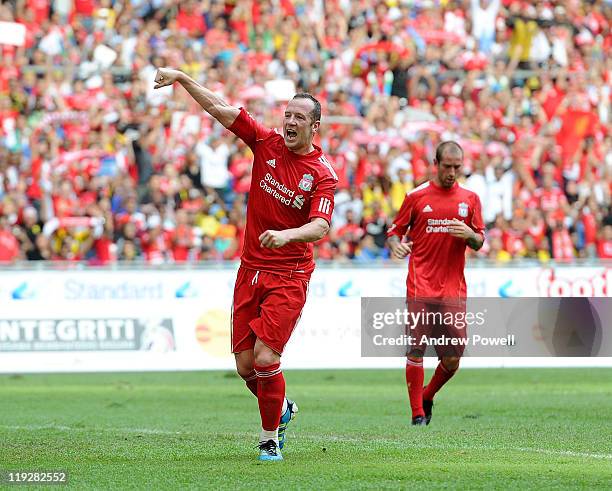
95	166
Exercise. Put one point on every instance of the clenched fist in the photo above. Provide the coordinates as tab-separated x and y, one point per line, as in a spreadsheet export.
273	239
166	76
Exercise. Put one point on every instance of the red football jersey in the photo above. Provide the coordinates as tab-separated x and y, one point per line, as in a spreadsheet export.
437	261
550	200
287	191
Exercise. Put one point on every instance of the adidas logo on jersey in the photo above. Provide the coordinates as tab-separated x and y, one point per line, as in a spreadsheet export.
271	163
427	209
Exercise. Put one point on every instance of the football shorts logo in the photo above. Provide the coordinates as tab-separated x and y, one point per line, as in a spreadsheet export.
463	210
306	182
427	209
271	163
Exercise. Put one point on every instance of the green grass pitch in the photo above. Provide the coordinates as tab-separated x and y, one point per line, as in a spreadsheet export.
492	429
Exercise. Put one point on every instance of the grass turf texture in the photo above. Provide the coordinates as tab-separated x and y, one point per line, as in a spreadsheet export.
492	429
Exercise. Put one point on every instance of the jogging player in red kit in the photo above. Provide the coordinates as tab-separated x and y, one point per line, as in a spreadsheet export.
442	218
290	205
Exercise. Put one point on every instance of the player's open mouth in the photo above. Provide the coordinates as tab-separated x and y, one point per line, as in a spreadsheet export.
290	134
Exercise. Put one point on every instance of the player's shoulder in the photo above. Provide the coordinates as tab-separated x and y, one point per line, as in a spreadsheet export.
269	139
272	134
420	190
276	133
467	193
324	167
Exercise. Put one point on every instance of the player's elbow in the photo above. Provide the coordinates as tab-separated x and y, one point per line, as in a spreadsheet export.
322	228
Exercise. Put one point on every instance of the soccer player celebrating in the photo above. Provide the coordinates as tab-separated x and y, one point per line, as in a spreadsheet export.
442	218
290	205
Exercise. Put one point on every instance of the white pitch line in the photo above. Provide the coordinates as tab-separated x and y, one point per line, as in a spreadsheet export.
568	453
549	451
150	431
313	438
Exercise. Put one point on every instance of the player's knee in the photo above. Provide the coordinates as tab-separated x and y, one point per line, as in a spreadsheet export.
244	365
265	357
244	370
451	363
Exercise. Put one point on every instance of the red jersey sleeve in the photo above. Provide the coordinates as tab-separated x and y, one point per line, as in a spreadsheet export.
322	200
249	130
404	217
477	223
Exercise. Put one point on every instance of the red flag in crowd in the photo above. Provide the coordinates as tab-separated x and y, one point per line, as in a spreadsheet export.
576	126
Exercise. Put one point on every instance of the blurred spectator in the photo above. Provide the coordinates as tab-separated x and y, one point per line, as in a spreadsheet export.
604	245
484	17
214	163
9	246
498	201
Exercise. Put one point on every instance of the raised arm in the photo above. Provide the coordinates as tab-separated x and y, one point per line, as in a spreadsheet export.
210	102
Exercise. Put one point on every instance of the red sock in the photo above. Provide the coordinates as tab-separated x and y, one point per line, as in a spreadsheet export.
414	381
270	395
439	378
251	382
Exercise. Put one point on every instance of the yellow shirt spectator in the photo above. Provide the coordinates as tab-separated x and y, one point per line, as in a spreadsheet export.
209	225
522	35
398	193
371	195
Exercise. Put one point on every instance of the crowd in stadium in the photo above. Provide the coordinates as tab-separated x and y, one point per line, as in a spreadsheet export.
97	166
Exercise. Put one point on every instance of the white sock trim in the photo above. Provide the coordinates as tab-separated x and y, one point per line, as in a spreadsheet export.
285	405
266	435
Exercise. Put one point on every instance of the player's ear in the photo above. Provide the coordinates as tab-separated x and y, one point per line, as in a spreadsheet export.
315	126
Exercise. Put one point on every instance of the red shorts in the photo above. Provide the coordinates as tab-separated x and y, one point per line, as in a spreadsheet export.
266	306
443	323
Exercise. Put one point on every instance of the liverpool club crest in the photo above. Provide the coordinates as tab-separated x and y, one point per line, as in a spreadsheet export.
463	210
306	182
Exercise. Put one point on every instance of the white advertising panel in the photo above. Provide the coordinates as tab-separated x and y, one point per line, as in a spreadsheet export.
179	319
